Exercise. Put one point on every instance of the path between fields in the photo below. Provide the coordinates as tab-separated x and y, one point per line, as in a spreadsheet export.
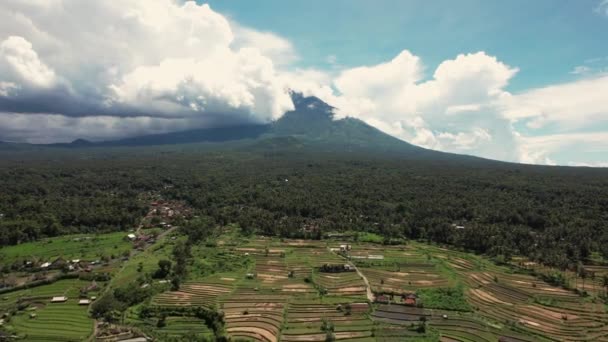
124	265
368	288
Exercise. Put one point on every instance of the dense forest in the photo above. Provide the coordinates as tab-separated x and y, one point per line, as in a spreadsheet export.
556	215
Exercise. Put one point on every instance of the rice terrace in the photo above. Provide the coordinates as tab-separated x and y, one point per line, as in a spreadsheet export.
344	287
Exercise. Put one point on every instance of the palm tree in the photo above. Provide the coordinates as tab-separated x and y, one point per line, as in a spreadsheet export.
579	270
605	284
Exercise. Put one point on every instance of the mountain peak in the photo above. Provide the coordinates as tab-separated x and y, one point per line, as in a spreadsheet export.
311	104
81	142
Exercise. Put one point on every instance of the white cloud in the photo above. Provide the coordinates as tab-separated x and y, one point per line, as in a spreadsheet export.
49	128
331	59
19	60
277	48
580	70
106	69
568	106
602	8
539	149
446	112
157	58
594	164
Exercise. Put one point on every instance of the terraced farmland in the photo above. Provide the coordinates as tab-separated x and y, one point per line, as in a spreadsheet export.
346	284
176	326
46	321
192	294
413	277
253	315
305	319
272	290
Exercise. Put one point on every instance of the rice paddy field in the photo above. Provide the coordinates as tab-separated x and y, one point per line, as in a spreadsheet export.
43	320
272	290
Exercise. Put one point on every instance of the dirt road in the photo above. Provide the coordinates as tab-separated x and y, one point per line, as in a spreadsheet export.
368	288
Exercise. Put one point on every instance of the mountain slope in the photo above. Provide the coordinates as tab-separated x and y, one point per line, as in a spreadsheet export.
311	125
313	120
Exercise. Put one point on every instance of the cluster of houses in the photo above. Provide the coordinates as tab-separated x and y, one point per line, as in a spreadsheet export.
63	299
84	300
61	263
140	240
336	268
166	211
406	299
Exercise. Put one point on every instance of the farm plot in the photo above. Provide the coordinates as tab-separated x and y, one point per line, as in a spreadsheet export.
345	284
46	321
66	287
507	298
85	247
254	316
453	325
193	294
411	278
317	257
54	322
176	326
270	270
305	319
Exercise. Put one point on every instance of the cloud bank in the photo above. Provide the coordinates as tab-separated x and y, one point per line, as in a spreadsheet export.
149	60
102	70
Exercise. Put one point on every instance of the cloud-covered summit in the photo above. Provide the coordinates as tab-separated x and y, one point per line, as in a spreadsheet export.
106	69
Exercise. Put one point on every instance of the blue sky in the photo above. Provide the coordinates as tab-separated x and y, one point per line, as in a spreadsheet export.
520	81
546	39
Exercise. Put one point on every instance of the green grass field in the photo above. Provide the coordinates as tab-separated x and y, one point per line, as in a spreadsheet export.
81	246
66	321
54	322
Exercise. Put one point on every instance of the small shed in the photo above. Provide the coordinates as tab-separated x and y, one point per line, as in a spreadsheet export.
60	299
410	299
382	299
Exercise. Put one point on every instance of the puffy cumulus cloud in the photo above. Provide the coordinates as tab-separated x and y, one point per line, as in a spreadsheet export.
277	48
565	149
108	69
223	83
567	106
464	108
137	58
20	63
602	8
556	119
449	111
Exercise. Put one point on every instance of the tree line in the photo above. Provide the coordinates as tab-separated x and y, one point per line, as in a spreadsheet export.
554	215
